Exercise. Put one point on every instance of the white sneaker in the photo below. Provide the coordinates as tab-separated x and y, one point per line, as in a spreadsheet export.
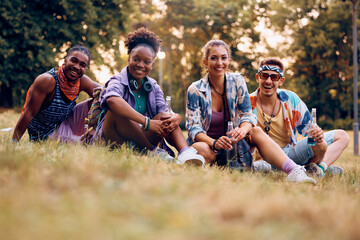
190	156
261	166
298	175
161	153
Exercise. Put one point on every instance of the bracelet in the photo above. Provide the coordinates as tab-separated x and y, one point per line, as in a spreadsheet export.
213	146
144	127
148	125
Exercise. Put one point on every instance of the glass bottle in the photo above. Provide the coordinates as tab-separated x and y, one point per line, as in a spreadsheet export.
311	141
231	155
168	111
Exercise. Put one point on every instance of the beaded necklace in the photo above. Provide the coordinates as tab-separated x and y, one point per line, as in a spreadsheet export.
267	123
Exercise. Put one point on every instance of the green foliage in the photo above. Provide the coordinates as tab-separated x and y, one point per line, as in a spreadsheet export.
341	123
34	32
322	52
186	26
319	49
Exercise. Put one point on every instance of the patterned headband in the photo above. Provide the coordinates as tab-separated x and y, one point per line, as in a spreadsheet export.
271	68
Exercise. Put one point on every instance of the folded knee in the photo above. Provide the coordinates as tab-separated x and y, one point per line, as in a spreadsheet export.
342	136
204	150
256	130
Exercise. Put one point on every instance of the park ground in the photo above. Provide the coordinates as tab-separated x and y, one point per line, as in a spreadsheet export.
54	191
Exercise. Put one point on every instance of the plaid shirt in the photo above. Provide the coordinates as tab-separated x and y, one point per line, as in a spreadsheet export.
296	114
199	107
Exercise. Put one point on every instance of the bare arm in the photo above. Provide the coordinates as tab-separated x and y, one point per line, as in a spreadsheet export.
42	87
203	137
87	85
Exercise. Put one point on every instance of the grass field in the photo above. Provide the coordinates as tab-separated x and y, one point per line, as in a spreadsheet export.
53	191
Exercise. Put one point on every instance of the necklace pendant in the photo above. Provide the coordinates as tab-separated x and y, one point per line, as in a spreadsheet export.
267	129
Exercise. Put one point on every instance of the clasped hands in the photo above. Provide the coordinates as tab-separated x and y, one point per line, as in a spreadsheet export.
167	126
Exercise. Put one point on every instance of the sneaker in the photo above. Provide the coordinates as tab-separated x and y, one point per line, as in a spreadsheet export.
261	166
190	156
315	170
161	153
297	175
334	170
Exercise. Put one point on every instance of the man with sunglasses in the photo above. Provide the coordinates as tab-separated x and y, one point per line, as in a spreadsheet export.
282	114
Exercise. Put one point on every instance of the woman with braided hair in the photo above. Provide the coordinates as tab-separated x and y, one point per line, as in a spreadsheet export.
134	102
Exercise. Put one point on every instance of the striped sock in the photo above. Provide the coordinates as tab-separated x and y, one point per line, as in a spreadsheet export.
323	166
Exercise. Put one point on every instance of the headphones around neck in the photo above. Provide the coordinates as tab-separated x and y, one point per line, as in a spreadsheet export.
147	86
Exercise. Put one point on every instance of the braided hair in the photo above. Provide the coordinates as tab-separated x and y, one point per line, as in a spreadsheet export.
143	37
82	49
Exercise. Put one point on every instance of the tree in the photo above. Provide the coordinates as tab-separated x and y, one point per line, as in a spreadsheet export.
34	32
322	51
186	26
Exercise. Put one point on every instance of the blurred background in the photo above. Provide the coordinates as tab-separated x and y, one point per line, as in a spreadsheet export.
312	37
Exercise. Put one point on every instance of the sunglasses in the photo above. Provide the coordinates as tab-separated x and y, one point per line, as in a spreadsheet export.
273	77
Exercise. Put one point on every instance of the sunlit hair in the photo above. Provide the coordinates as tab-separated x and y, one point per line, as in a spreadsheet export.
143	37
272	61
213	43
82	49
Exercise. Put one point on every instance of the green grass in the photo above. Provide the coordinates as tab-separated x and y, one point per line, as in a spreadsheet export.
54	191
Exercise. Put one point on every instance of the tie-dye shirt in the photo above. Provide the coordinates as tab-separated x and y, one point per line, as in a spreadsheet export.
199	107
296	114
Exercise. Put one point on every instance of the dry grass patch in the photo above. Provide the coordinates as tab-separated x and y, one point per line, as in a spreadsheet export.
54	191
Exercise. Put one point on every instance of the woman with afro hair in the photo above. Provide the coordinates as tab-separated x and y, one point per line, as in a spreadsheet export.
134	104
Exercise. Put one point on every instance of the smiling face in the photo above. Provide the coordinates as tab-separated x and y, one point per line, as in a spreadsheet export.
217	61
141	61
267	86
76	64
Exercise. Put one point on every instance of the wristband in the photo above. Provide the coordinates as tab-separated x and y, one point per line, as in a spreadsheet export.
148	125
213	146
145	124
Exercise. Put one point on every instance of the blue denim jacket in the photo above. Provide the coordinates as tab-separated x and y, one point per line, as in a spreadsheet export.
199	106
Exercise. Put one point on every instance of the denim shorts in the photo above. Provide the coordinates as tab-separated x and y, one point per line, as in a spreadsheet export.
301	153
